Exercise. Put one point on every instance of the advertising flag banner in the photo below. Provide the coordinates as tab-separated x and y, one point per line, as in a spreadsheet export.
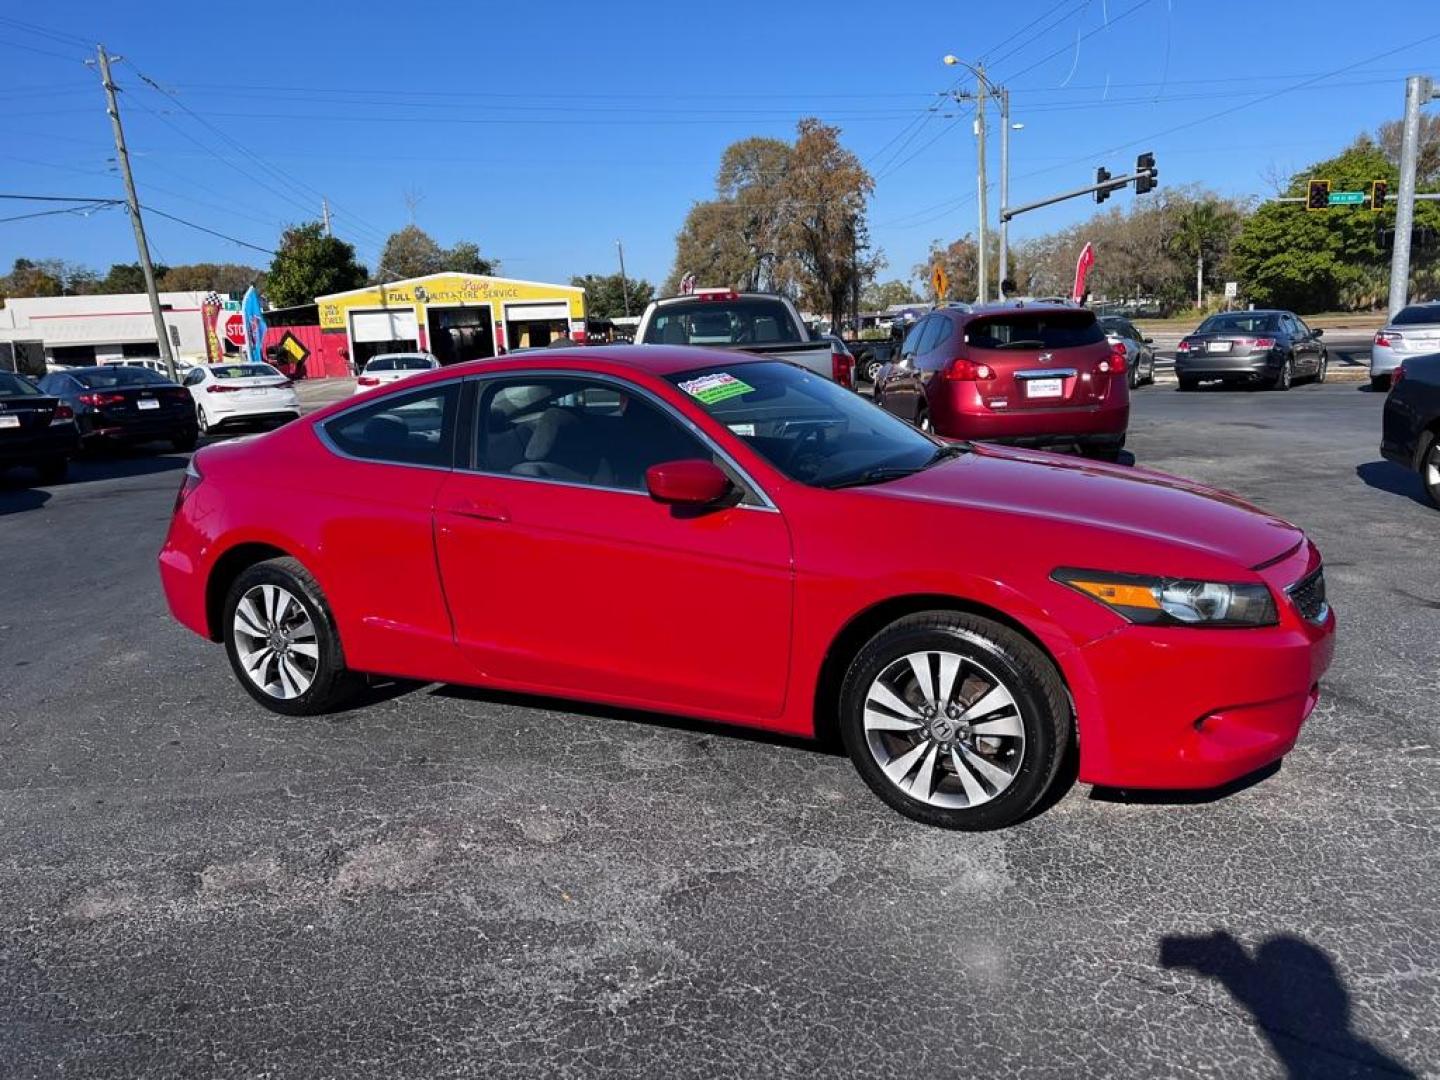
1082	271
255	326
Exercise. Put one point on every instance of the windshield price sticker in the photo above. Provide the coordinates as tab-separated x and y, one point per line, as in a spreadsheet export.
709	389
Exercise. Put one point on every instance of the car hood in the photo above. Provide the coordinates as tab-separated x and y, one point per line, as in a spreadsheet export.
1138	502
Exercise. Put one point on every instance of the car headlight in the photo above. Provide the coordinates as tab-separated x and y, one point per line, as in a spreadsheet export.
1160	601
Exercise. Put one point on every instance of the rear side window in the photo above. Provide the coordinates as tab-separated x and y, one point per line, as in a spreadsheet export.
743	321
13	384
1038	330
408	429
1417	315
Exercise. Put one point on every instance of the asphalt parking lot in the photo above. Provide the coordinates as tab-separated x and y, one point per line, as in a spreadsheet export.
448	882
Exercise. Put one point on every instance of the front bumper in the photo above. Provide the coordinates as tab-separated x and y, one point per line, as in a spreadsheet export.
1177	707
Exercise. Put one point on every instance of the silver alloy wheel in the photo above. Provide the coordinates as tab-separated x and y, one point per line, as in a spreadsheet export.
944	729
925	424
276	641
200	419
1282	381
1432	468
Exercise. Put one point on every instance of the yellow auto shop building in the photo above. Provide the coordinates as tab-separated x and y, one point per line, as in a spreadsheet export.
455	316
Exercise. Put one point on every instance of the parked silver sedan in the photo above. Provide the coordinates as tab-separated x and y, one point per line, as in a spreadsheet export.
1414	331
1139	356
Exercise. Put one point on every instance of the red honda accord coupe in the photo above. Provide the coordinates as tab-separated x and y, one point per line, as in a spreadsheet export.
677	530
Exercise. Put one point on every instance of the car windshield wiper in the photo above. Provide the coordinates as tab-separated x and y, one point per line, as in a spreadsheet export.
948	451
877	475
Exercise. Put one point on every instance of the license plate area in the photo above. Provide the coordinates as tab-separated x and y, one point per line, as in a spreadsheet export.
9	421
1044	388
147	403
1217	346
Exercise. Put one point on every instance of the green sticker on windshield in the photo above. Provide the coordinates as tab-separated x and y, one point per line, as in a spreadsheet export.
709	389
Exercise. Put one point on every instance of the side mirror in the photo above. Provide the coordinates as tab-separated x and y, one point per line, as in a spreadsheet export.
1317	333
687	483
1148	340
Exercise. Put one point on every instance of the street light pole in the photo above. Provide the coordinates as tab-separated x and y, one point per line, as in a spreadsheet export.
1418	90
984	267
624	289
1004	191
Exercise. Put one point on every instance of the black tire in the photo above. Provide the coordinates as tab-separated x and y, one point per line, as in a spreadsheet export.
922	420
1102	453
53	471
332	683
1380	384
1039	699
1187	384
201	423
1324	369
1285	378
186	443
1430	470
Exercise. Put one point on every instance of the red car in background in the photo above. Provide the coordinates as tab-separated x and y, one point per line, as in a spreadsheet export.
690	531
1031	374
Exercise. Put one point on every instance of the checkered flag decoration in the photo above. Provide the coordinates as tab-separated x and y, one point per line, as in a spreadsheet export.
212	299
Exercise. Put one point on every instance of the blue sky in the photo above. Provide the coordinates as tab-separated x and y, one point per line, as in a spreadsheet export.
546	132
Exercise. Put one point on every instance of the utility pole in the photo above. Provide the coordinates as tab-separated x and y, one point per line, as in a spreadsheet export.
854	275
325	213
1004	190
1418	90
980	87
624	288
162	335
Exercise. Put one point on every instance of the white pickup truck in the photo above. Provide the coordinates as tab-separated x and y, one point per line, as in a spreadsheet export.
747	322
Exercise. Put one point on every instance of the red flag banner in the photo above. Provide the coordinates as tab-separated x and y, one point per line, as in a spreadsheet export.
1082	271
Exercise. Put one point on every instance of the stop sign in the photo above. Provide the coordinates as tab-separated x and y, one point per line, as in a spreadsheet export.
234	329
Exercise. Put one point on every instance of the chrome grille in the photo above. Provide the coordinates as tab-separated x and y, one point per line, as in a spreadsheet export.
1308	595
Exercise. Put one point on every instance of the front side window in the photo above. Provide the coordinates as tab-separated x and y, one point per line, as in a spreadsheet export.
577	431
408	429
807	427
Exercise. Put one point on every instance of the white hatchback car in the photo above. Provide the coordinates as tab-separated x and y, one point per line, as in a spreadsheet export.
228	395
392	367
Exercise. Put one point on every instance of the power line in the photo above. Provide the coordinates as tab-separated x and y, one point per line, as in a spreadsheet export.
82	210
63	37
1044	15
1083	37
204	229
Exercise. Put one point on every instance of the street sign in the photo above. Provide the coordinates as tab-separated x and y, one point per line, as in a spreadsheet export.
1232	290
940	280
233	328
294	348
1347	198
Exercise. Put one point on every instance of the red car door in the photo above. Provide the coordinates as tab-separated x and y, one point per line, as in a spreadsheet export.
563	575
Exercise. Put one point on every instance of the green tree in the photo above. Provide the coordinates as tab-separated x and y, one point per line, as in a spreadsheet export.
231	278
29	278
605	299
1203	232
410	252
128	278
465	258
311	264
1287	256
877	297
708	247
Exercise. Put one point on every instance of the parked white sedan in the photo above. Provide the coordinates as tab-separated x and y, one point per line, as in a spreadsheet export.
392	367
228	395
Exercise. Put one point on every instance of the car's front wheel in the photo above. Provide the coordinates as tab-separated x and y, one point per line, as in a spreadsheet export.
282	642
955	720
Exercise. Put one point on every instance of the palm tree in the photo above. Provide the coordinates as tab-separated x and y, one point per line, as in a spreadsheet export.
1200	231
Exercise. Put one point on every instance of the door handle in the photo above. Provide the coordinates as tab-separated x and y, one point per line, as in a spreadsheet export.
479	509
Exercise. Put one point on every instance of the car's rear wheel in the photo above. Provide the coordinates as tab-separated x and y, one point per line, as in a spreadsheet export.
955	720
1323	369
186	442
201	420
1379	383
1285	378
282	642
1187	384
872	371
922	421
1430	470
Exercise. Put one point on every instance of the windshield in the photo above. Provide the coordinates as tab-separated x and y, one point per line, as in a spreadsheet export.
751	320
1042	330
1417	315
399	363
105	378
245	371
13	384
1239	324
806	426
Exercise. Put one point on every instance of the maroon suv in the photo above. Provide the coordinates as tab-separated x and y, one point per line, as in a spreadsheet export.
1031	374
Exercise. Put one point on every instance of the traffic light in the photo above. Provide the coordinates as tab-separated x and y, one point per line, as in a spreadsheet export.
1147	173
1102	174
1378	190
1318	197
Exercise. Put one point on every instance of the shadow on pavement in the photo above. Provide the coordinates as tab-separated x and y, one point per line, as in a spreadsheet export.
635	716
1393	479
16	500
1296	996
